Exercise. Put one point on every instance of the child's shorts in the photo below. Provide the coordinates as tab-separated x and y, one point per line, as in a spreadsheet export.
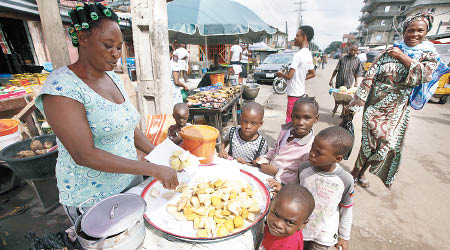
311	245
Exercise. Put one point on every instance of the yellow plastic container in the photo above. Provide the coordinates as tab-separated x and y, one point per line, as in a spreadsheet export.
216	78
200	140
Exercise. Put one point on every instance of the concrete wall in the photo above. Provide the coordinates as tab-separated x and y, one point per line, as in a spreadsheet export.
437	18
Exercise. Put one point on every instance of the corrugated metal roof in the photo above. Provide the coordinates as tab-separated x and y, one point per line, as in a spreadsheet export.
29	7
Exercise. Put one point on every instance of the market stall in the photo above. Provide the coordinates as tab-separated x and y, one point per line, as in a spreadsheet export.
213	101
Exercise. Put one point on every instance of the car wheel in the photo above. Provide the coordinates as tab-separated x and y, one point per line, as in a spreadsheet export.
443	99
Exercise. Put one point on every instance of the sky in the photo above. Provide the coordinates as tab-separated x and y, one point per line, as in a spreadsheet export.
329	18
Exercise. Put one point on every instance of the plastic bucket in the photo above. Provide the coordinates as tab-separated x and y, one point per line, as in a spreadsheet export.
216	78
7	140
200	140
8	126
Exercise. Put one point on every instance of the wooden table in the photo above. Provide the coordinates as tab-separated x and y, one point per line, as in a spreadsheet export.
13	106
216	114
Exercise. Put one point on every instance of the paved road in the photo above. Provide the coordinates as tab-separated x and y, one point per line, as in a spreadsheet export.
415	214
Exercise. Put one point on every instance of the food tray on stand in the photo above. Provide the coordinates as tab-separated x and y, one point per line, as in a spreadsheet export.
157	215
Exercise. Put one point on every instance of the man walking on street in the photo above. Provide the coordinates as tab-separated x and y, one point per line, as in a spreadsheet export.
301	69
347	69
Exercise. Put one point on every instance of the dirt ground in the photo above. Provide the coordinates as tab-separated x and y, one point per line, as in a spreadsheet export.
414	214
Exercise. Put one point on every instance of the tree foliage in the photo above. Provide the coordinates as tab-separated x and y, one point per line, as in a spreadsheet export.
333	47
313	46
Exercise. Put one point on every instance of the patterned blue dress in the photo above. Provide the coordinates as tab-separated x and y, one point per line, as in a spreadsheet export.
112	126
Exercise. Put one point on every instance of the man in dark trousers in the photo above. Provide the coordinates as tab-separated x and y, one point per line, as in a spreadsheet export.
347	69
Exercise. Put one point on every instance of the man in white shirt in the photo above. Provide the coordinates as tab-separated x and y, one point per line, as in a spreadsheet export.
301	69
236	54
183	58
244	62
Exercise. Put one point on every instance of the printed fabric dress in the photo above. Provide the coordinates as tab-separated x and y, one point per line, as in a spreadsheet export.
386	89
112	126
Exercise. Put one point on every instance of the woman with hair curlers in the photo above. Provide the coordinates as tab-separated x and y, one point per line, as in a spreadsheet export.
87	107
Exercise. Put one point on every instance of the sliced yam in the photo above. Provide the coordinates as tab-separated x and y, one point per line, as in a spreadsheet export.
171	209
251	217
197	223
169	195
229	224
254	209
238	221
179	216
182	187
194	201
203	198
222	231
188	210
181	203
234	206
210	225
202	233
200	211
203	222
154	193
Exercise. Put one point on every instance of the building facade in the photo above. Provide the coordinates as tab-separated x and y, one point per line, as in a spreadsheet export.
277	40
381	19
441	11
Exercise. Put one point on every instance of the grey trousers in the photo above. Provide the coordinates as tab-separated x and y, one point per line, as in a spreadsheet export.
73	213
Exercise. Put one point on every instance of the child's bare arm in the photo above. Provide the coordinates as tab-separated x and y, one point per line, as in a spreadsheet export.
177	139
345	225
222	152
269	169
274	184
243	161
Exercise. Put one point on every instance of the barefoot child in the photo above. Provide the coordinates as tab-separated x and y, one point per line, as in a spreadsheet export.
181	115
332	189
245	143
293	144
287	216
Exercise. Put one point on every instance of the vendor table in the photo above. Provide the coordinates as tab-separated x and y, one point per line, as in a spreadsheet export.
216	114
155	239
12	106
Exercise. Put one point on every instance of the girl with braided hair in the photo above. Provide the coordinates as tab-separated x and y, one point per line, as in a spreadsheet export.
87	107
388	88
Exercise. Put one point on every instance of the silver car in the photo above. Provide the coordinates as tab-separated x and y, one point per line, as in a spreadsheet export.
265	72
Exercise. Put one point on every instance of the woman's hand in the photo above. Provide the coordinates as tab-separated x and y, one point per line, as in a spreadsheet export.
395	52
167	176
398	54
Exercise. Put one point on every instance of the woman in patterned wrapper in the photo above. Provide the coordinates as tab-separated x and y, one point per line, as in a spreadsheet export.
385	93
87	107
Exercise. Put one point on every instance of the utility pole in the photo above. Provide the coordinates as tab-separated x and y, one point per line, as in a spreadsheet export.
299	13
53	32
151	43
287	37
